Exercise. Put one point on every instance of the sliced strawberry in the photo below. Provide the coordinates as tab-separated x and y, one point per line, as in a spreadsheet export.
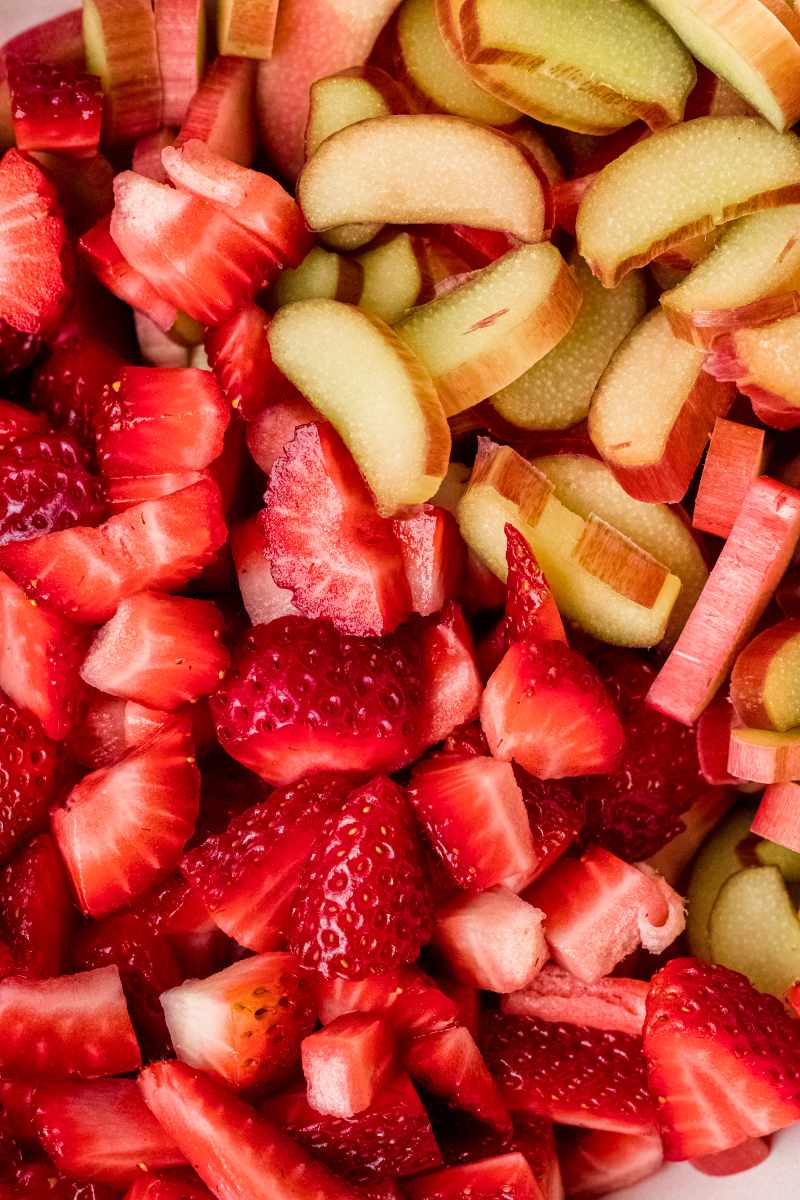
263	600
433	556
33	248
124	827
596	1161
18	1100
70	385
531	611
238	354
474	814
546	708
175	911
556	817
55	108
493	940
347	1063
104	258
85	573
45	486
391	1139
406	998
506	1177
74	1025
724	1059
247	875
173	1185
447	1063
452	686
36	909
28	770
236	1152
102	1130
244	1024
190	251
362	904
589	1077
481	590
467	740
326	542
555	995
16	423
128	490
274	427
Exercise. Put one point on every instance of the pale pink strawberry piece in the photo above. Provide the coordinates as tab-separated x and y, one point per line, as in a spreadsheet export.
555	995
270	430
447	1063
347	1063
493	940
595	1162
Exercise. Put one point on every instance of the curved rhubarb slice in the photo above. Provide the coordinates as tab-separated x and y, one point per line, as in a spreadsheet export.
753	928
736	457
220	113
705	172
350	96
404	269
411	189
486	331
181	34
763	688
654	451
121	47
376	393
760	361
764	756
556	995
493	940
247	30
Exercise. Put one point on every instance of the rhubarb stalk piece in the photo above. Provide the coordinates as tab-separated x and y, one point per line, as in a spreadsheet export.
736	456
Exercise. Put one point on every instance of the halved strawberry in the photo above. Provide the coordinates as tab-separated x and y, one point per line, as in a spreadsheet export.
70	1026
70	385
124	827
474	814
433	556
128	490
174	1185
577	1076
546	707
408	999
362	904
17	422
85	573
263	600
245	1024
391	1139
28	770
102	1130
347	1063
160	419
596	1161
493	940
506	1177
45	486
447	1063
327	543
531	611
236	1152
189	250
270	430
555	995
238	354
724	1059
36	909
104	258
55	107
161	651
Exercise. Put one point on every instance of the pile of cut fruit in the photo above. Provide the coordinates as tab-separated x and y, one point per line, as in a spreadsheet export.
399	597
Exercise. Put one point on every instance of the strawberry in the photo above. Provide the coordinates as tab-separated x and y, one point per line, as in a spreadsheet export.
102	1130
55	107
724	1059
85	189
577	1076
124	827
506	1177
433	556
85	573
597	1161
347	1063
391	1139
636	809
466	935
173	1185
263	600
238	354
407	999
175	911
33	248
326	542
147	967
467	740
238	1154
243	1025
447	1063
28	765
274	427
69	387
70	1026
18	1101
556	816
41	1181
36	909
102	255
555	995
546	708
362	904
247	875
452	685
17	423
45	486
531	611
740	1158
17	349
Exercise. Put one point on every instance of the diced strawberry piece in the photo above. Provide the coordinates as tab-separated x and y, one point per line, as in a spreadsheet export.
270	430
597	1161
531	611
447	1063
391	1139
326	542
239	1154
17	423
724	1059
362	904
36	909
740	1158
102	1130
70	385
146	158
263	600
45	486
433	556
507	1177
28	770
190	251
220	112
239	355
556	817
105	259
55	108
158	419
452	686
254	200
85	573
407	999
598	910
555	995
124	827
493	940
33	248
546	707
347	1063
713	733
589	1077
474	814
70	1026
162	651
174	1185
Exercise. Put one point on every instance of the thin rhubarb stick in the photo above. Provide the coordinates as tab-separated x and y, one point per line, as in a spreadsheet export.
735	458
778	815
222	111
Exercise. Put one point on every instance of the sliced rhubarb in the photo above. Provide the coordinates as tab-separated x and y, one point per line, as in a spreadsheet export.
778	815
121	48
762	680
358	94
181	34
220	112
753	929
764	756
758	361
736	456
493	940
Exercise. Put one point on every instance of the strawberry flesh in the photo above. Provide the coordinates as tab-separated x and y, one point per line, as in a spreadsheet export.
531	611
101	254
506	1177
238	354
55	108
17	348
36	909
69	387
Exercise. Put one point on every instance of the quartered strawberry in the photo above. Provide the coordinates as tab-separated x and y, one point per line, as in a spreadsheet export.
433	556
245	1024
391	1139
327	543
69	387
407	998
55	107
171	1185
101	254
124	827
546	708
236	1152
36	909
84	573
447	1063
147	967
17	422
17	349
102	1130
724	1059
506	1177
45	486
531	611
362	904
70	1026
239	355
28	763
595	1162
347	1063
246	876
577	1076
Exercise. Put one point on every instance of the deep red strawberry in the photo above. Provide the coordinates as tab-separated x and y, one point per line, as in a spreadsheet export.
465	1140
531	611
447	1063
45	486
36	909
555	813
505	1177
55	107
17	423
724	1059
69	387
247	875
227	790
408	999
238	354
103	257
573	1075
467	740
28	763
596	1161
17	348
41	1181
171	1185
176	911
